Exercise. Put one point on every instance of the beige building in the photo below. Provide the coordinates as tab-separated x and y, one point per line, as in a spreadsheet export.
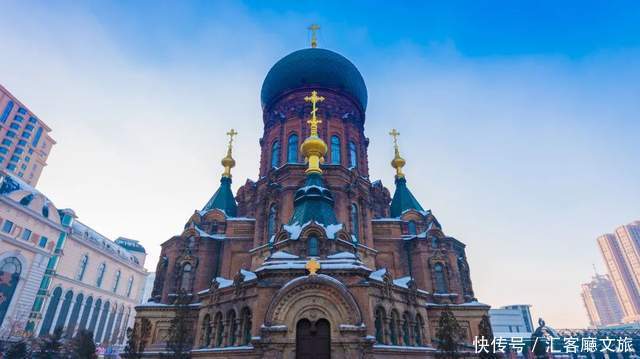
24	139
601	302
621	253
58	272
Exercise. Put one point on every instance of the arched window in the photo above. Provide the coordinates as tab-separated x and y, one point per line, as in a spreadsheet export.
108	332
10	269
116	281
335	150
94	316
393	325
417	331
379	324
245	320
292	149
51	311
231	319
101	270
64	310
441	284
116	328
75	313
83	267
85	313
312	243
271	222
103	322
185	278
275	154
355	224
406	335
206	331
129	286
353	155
219	327
412	228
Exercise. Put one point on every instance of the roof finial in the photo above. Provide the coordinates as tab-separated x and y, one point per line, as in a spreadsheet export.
314	148
228	162
397	162
314	38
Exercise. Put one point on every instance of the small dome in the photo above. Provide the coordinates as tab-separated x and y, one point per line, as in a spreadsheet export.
314	67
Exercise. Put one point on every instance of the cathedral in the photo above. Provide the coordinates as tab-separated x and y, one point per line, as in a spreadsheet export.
313	259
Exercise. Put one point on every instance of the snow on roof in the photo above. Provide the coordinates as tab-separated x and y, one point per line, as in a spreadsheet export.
377	275
295	229
248	275
341	263
283	255
402	282
342	255
87	233
223	282
204	234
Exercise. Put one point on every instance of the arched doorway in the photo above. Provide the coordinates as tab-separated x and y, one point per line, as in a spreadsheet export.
10	269
313	340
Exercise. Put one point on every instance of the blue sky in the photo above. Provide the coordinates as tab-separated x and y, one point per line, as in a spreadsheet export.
519	121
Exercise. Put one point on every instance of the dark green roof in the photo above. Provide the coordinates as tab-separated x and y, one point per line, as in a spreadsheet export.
319	68
313	202
403	199
223	199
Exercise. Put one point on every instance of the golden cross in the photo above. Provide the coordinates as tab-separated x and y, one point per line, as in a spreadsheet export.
312	266
314	99
231	134
314	39
394	133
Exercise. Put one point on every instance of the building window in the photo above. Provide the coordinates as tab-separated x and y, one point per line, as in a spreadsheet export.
116	281
11	167
417	330
206	330
18	118
18	150
379	325
21	142
355	226
7	142
25	135
292	149
335	150
3	150
22	111
185	278
275	154
26	234
7	226
393	325
101	269
42	242
37	137
412	228
313	246
441	285
11	134
219	327
129	286
10	269
33	119
29	127
45	211
245	322
353	155
7	110
15	158
231	319
15	126
271	222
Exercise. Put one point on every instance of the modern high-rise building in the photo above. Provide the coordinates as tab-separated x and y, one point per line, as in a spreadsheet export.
24	139
621	253
601	302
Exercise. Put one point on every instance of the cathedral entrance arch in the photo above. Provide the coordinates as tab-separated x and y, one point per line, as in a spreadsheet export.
313	340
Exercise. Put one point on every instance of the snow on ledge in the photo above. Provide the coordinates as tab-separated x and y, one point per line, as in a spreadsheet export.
283	255
342	255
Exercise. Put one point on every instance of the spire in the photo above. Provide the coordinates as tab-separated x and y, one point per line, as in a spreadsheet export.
403	199
313	201
313	148
223	198
397	162
228	162
314	39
